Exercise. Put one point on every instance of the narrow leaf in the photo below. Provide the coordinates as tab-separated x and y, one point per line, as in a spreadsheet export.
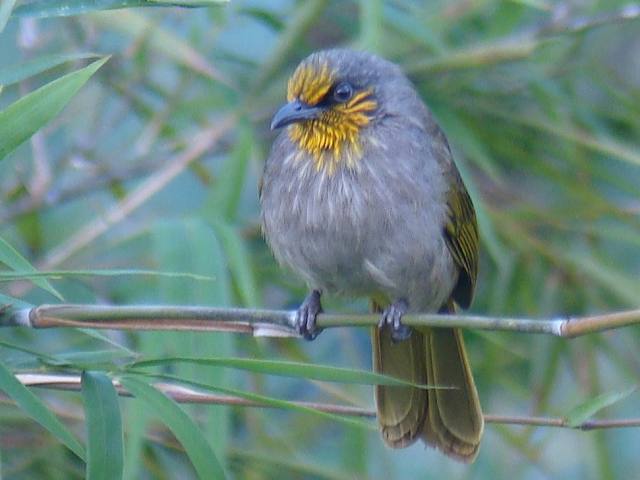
26	116
240	262
12	259
58	274
36	409
287	369
104	427
183	427
69	8
263	399
16	73
5	12
588	409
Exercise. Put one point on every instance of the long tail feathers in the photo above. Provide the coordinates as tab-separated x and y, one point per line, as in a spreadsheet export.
448	419
401	410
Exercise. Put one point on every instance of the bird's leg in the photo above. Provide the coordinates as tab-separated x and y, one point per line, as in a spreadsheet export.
392	318
305	322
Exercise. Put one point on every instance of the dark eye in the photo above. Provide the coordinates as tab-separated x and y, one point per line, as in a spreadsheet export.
342	92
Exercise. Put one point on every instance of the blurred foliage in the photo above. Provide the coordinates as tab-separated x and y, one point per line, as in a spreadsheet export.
541	103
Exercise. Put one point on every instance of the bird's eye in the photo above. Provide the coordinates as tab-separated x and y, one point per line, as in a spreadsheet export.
342	92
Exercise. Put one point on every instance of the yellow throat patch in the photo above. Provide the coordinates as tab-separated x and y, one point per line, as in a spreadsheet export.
333	138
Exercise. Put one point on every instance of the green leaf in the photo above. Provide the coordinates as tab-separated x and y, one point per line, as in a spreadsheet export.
27	115
192	245
263	399
287	369
137	418
36	409
537	4
67	8
104	338
12	259
240	262
92	359
58	274
183	427
16	73
588	409
104	427
224	198
43	357
13	302
5	12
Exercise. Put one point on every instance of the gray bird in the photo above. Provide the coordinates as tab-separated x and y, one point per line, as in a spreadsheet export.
360	197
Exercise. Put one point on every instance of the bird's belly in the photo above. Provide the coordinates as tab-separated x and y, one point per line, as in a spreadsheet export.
347	241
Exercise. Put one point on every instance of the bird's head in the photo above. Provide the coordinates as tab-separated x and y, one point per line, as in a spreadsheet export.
333	95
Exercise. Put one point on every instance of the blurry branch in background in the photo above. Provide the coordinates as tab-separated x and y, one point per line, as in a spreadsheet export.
184	394
523	45
200	143
103	178
279	323
563	22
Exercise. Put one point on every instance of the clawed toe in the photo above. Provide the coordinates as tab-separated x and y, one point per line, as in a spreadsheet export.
305	321
392	317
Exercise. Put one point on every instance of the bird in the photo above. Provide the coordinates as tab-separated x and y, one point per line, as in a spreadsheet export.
360	196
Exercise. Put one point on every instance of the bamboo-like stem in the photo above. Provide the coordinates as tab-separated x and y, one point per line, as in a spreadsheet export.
278	323
183	394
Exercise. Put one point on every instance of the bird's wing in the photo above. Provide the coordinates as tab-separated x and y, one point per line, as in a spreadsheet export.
461	235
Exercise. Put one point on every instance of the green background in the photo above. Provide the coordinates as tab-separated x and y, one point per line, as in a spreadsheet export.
540	101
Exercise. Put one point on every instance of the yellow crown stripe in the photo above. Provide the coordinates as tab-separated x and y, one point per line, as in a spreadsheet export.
310	83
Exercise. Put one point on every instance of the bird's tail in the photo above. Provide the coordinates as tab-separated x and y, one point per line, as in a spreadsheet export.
449	419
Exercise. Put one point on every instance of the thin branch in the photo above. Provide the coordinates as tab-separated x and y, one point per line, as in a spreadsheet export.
280	323
203	141
183	394
102	178
522	45
563	22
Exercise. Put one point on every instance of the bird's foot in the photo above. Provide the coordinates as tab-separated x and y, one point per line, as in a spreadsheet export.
305	321
392	317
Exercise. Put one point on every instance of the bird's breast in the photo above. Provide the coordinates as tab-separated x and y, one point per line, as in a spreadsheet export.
362	230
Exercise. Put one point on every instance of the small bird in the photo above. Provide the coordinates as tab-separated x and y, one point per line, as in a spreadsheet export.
360	196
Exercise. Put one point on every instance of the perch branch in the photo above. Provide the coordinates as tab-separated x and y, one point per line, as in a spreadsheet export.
183	394
280	323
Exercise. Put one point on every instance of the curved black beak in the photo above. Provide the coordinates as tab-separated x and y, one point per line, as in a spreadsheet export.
292	112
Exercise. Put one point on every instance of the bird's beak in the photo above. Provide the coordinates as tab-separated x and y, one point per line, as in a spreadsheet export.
292	112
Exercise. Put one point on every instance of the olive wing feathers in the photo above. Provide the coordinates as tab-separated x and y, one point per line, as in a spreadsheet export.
461	235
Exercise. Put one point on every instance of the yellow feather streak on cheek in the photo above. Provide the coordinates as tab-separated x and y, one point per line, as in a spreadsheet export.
333	138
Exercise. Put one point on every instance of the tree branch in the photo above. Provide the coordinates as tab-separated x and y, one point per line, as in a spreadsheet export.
280	323
183	394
